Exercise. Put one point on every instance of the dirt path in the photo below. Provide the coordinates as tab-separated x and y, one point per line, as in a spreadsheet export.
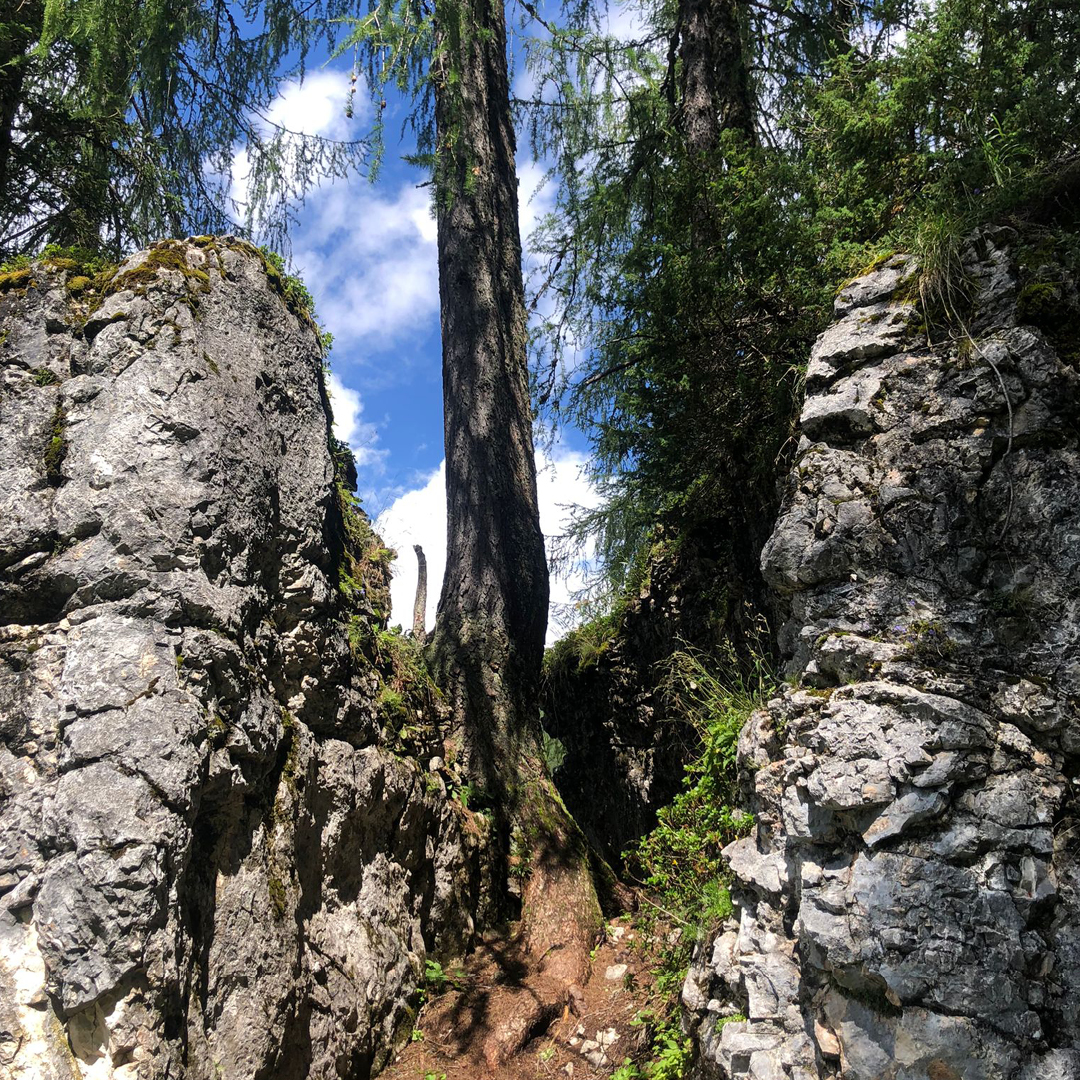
588	1033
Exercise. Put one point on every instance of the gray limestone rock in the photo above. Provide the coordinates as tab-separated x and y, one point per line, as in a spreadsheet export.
908	904
211	863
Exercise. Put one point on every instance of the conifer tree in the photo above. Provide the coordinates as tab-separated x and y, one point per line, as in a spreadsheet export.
120	122
488	639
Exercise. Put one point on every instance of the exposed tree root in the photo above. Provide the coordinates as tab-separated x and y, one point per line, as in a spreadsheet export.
500	1016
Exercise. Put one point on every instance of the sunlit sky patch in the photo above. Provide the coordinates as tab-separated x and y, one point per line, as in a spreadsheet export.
367	253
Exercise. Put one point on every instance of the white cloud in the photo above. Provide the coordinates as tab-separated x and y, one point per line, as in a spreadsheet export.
625	21
350	428
536	198
419	517
316	106
372	263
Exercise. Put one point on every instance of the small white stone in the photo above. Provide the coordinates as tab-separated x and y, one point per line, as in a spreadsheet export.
615	972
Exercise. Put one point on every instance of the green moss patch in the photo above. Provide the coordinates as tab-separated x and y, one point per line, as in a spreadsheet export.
16	279
56	448
167	257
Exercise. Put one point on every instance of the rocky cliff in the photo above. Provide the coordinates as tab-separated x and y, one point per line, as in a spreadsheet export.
211	863
908	904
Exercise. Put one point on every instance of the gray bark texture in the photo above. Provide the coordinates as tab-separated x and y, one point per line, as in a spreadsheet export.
714	92
420	602
489	635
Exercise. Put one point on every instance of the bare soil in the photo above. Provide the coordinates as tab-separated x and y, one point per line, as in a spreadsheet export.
495	1017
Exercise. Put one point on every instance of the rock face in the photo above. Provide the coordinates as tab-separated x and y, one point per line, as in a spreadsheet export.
908	904
605	700
210	863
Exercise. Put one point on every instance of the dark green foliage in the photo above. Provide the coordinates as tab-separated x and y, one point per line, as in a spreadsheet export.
679	862
553	752
119	122
696	283
295	293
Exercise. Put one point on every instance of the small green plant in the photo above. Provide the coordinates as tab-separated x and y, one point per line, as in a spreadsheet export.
672	1055
553	752
470	796
520	858
296	295
45	377
546	1054
56	448
926	639
679	862
416	1036
434	975
734	1018
627	1071
278	897
432	1075
680	859
584	646
217	731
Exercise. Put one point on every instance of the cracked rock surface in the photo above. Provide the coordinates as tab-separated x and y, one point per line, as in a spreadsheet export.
210	863
908	904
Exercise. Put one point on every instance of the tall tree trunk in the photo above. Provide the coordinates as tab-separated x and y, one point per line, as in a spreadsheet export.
489	634
714	86
493	606
420	603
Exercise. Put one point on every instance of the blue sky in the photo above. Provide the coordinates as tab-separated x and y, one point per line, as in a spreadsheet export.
367	254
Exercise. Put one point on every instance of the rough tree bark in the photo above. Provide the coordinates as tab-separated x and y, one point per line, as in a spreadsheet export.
714	92
489	635
420	602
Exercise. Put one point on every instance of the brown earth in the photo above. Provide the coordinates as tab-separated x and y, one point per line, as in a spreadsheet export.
493	1016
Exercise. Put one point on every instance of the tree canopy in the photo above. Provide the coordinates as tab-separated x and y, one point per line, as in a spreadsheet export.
683	280
120	122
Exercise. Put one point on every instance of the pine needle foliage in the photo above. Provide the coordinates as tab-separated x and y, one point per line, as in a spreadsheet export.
677	293
120	123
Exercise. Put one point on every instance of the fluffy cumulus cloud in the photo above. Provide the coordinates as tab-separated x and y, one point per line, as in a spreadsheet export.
372	252
368	252
419	517
351	428
536	197
316	106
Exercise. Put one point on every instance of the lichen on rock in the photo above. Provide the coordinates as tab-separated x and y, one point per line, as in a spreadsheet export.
908	905
210	862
